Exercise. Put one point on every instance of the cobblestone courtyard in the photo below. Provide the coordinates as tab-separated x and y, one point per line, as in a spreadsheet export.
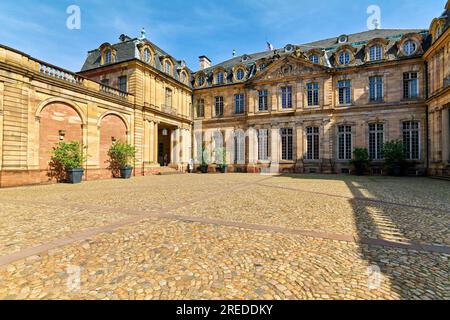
233	236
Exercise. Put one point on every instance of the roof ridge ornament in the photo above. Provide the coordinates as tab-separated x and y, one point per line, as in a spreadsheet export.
143	36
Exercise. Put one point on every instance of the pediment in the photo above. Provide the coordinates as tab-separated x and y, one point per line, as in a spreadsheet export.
290	67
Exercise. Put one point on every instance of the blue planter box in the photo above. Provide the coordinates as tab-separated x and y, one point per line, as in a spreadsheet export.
75	175
125	173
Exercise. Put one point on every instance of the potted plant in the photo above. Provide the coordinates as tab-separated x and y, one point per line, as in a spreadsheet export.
394	155
360	160
69	157
121	156
222	163
204	166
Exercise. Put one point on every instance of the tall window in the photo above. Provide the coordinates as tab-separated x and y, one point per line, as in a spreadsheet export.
287	146
123	83
313	94
239	147
168	97
286	97
376	53
219	107
410	85
376	141
345	92
312	139
200	108
147	55
108	56
344	58
411	140
239	103
263	144
376	88
168	67
345	143
263	100
219	78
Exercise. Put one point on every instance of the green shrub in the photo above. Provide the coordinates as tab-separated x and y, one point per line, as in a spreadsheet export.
360	160
394	155
68	155
121	155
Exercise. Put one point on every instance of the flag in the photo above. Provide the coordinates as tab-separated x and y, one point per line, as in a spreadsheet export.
269	46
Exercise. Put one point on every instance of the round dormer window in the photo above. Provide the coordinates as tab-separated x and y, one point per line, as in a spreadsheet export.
289	48
344	58
410	47
201	81
240	74
343	39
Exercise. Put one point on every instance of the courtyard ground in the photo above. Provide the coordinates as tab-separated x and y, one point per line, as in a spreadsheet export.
233	236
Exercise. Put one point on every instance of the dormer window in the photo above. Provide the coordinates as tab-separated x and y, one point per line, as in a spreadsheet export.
167	67
410	47
262	66
376	53
314	58
183	77
245	58
219	78
108	57
240	74
344	58
289	48
201	80
343	39
147	55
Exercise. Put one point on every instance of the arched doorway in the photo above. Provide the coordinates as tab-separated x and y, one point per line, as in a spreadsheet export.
58	122
112	128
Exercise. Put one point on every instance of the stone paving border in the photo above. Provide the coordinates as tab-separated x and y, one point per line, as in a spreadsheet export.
165	213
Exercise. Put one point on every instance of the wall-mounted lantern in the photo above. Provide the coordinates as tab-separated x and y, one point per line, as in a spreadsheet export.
165	132
62	134
113	139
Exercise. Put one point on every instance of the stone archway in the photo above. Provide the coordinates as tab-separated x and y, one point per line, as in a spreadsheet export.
112	128
58	121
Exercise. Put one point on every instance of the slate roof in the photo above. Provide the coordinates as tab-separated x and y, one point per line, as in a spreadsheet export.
357	40
128	50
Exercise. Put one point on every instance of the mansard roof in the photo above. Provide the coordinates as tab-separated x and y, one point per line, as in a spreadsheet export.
329	46
128	49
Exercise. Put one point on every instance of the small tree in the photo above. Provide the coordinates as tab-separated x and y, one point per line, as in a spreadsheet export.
394	155
360	160
69	155
221	156
121	155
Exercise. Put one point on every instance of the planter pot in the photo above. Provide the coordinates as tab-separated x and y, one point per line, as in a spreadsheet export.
359	170
397	170
75	175
125	173
223	169
204	169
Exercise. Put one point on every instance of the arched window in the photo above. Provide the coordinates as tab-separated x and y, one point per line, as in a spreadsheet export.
344	58
376	53
240	74
183	77
219	78
314	58
167	67
147	55
409	47
108	56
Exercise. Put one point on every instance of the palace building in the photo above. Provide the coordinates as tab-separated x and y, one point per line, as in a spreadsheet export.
303	108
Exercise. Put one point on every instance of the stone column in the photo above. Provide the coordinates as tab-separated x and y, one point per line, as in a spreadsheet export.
252	146
155	142
275	149
151	142
445	136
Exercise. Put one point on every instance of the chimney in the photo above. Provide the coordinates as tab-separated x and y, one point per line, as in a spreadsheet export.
204	62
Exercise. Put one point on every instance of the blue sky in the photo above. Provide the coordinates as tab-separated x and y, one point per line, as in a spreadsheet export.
189	28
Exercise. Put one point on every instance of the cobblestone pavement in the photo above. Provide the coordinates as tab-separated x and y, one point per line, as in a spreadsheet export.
231	236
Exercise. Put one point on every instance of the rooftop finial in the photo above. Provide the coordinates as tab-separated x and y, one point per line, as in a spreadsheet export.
234	52
143	33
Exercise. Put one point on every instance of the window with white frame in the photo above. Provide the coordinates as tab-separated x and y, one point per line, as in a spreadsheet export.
411	142
239	103
200	108
410	85
344	58
312	143
345	92
287	144
376	141
376	88
263	100
108	56
167	67
345	146
314	58
219	107
219	78
218	147
313	94
376	53
263	144
147	55
240	74
410	47
239	147
286	97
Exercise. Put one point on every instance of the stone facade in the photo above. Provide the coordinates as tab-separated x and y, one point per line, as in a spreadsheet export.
302	108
